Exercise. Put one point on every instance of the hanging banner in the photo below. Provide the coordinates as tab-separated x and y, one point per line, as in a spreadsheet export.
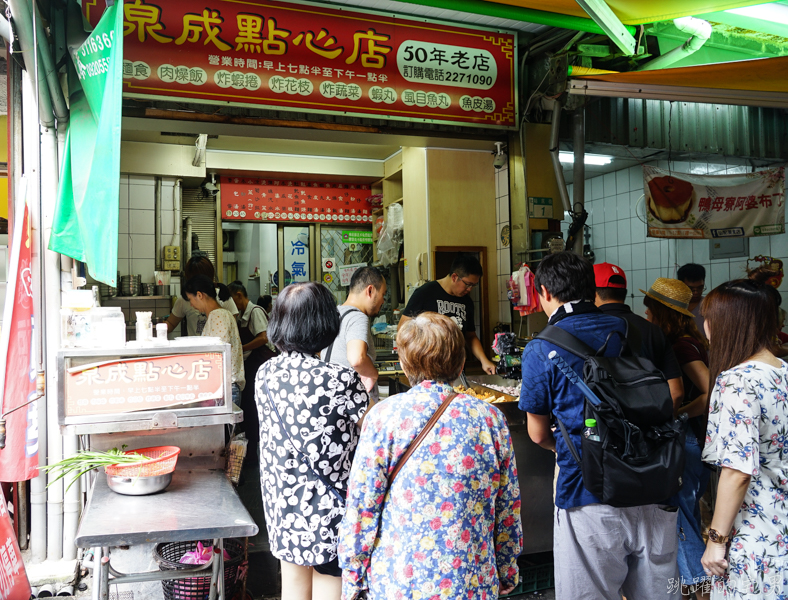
19	458
245	199
680	205
85	226
307	57
14	584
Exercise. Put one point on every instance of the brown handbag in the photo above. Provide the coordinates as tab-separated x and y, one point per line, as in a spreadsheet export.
420	438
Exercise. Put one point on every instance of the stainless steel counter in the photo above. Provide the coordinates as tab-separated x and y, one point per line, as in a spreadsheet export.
198	505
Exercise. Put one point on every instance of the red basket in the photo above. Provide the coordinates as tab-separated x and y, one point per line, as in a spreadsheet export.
163	462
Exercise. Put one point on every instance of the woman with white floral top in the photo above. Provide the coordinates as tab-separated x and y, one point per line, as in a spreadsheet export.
201	294
747	436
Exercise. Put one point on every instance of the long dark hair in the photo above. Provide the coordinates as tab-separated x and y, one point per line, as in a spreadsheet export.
673	323
742	318
204	284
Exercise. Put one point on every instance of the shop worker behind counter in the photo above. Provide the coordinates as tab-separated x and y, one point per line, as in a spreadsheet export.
195	320
449	296
354	346
600	551
611	295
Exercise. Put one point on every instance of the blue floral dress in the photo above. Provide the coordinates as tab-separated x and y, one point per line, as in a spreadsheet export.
449	527
748	431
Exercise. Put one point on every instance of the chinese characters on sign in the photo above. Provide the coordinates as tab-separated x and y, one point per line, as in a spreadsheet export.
309	57
245	199
680	205
296	253
13	578
144	383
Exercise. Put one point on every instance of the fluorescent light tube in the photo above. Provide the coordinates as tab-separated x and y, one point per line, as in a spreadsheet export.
774	13
589	159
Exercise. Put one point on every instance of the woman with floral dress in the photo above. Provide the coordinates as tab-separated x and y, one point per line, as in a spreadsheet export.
747	436
449	524
309	412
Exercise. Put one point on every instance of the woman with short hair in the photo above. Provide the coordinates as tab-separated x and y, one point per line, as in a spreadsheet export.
308	411
747	437
447	525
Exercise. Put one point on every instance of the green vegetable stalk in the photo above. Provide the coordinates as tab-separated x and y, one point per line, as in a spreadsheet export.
87	460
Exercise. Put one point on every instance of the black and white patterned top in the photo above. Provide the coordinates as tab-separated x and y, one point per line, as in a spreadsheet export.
320	404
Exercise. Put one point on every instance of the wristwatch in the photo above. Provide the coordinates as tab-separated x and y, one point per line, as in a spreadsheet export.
716	537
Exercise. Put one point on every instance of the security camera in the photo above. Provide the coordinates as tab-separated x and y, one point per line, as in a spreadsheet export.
500	156
210	187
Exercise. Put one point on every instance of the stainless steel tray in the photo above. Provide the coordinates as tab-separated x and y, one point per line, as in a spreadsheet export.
138	486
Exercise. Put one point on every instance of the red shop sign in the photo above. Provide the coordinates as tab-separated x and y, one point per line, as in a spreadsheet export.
13	578
306	57
245	199
123	386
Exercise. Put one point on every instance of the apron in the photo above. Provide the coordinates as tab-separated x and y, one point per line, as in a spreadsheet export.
258	356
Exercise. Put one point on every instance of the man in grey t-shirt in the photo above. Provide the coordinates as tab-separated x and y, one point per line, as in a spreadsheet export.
354	346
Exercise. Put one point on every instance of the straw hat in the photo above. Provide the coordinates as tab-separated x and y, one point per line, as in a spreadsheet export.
672	293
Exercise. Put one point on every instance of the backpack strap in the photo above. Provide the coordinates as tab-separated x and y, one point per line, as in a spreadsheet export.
566	341
341	318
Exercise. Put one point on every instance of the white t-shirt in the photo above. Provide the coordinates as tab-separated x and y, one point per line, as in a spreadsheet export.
195	320
221	324
258	324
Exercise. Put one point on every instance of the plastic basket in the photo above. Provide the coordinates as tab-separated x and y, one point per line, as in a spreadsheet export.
163	461
537	577
198	588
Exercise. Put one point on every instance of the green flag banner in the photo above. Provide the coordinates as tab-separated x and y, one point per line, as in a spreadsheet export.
86	217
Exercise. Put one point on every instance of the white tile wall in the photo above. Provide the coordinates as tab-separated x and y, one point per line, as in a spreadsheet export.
136	247
503	254
618	233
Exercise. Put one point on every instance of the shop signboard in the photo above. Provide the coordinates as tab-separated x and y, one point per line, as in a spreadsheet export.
680	205
13	578
308	57
357	236
296	250
249	199
143	383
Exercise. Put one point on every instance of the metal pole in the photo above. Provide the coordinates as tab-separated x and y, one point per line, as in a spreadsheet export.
157	224
30	131
558	169
579	170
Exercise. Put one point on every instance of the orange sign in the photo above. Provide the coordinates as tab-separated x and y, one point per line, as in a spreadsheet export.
143	383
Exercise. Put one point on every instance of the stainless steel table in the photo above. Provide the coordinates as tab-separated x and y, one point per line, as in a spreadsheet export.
197	505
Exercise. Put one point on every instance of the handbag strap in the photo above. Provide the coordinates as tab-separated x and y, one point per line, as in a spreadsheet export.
300	455
422	434
341	318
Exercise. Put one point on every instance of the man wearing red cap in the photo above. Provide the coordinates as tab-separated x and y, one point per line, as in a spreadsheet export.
645	339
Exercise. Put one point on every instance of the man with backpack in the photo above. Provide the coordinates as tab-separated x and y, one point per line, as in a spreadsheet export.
354	346
611	295
621	547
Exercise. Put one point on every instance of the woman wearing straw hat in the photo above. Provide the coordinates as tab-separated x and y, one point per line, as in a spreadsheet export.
667	306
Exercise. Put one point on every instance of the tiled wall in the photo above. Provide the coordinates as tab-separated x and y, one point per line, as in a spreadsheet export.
503	253
618	233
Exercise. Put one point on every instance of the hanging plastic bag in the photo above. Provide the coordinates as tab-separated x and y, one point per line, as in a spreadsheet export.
390	238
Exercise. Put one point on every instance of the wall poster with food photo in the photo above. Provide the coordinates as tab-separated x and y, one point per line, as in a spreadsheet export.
681	205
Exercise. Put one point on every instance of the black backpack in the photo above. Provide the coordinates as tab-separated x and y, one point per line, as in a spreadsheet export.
635	454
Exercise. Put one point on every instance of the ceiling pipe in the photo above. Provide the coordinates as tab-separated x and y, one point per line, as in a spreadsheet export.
23	23
50	70
5	31
517	13
557	167
700	31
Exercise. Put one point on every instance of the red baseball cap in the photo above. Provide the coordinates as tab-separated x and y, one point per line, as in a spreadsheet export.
604	271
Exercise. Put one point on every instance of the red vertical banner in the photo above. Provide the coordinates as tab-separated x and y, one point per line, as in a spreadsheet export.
13	578
19	458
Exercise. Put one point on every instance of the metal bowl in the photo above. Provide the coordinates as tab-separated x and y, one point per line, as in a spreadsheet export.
138	486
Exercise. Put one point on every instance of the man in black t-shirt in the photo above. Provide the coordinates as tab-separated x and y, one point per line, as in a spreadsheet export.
611	294
449	297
